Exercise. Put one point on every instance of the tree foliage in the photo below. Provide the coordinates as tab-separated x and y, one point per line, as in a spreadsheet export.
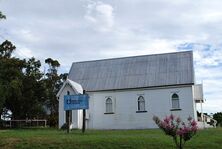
2	16
53	83
218	116
10	74
33	91
25	90
6	49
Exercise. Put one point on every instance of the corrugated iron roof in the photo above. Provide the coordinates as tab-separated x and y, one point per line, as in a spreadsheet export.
134	72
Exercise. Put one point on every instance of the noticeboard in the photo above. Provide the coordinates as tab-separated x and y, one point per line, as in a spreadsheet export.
75	102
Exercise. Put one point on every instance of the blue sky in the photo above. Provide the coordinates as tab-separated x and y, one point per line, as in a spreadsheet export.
96	29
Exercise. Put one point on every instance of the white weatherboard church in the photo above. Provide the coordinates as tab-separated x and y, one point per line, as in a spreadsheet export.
125	93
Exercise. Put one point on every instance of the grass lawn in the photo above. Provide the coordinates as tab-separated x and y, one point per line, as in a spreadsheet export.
99	139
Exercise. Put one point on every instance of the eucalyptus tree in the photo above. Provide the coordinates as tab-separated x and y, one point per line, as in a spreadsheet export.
33	91
22	89
53	84
10	77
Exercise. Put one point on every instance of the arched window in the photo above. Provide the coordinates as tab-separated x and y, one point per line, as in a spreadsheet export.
141	103
175	101
109	105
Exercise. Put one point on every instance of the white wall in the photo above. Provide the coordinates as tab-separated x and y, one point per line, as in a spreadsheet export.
158	102
76	114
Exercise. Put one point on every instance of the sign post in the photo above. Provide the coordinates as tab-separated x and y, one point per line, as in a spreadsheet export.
68	121
68	117
76	102
84	116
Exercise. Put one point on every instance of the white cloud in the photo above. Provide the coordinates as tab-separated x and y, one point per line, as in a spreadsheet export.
23	52
210	106
100	15
212	17
27	35
208	57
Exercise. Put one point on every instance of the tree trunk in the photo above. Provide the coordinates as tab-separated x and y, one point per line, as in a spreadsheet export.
175	141
181	147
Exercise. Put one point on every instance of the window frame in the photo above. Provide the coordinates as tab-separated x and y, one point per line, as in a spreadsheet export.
177	100
111	105
140	100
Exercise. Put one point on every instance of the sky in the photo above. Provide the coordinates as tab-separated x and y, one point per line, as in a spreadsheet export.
80	30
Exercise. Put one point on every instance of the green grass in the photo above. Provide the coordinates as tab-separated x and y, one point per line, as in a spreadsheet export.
98	139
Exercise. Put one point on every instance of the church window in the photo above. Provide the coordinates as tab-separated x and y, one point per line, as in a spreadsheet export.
175	101
141	103
109	105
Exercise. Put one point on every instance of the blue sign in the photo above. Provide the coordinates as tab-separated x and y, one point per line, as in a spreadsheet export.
75	102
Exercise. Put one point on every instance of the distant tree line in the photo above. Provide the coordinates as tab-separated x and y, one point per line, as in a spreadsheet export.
218	116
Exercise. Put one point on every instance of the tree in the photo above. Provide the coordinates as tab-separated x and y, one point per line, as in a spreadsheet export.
64	76
10	76
29	103
13	90
6	49
33	91
218	116
2	16
32	68
21	88
2	86
52	84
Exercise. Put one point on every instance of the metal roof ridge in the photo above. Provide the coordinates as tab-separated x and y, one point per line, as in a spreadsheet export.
106	59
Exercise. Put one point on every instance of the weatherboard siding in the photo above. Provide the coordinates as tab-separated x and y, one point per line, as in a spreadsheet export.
76	114
157	102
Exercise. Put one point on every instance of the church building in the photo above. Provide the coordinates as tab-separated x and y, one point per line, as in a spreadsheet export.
125	93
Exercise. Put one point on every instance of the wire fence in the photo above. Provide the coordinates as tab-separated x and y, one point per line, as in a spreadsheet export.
24	123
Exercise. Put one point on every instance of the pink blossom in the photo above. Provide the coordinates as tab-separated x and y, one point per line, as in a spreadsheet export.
193	123
194	128
173	126
180	132
171	117
178	120
167	120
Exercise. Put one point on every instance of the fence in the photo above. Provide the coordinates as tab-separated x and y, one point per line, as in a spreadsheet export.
25	123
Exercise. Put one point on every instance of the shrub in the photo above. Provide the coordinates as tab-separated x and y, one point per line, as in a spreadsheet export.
174	127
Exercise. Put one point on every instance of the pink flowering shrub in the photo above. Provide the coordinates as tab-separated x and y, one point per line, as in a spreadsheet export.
174	127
